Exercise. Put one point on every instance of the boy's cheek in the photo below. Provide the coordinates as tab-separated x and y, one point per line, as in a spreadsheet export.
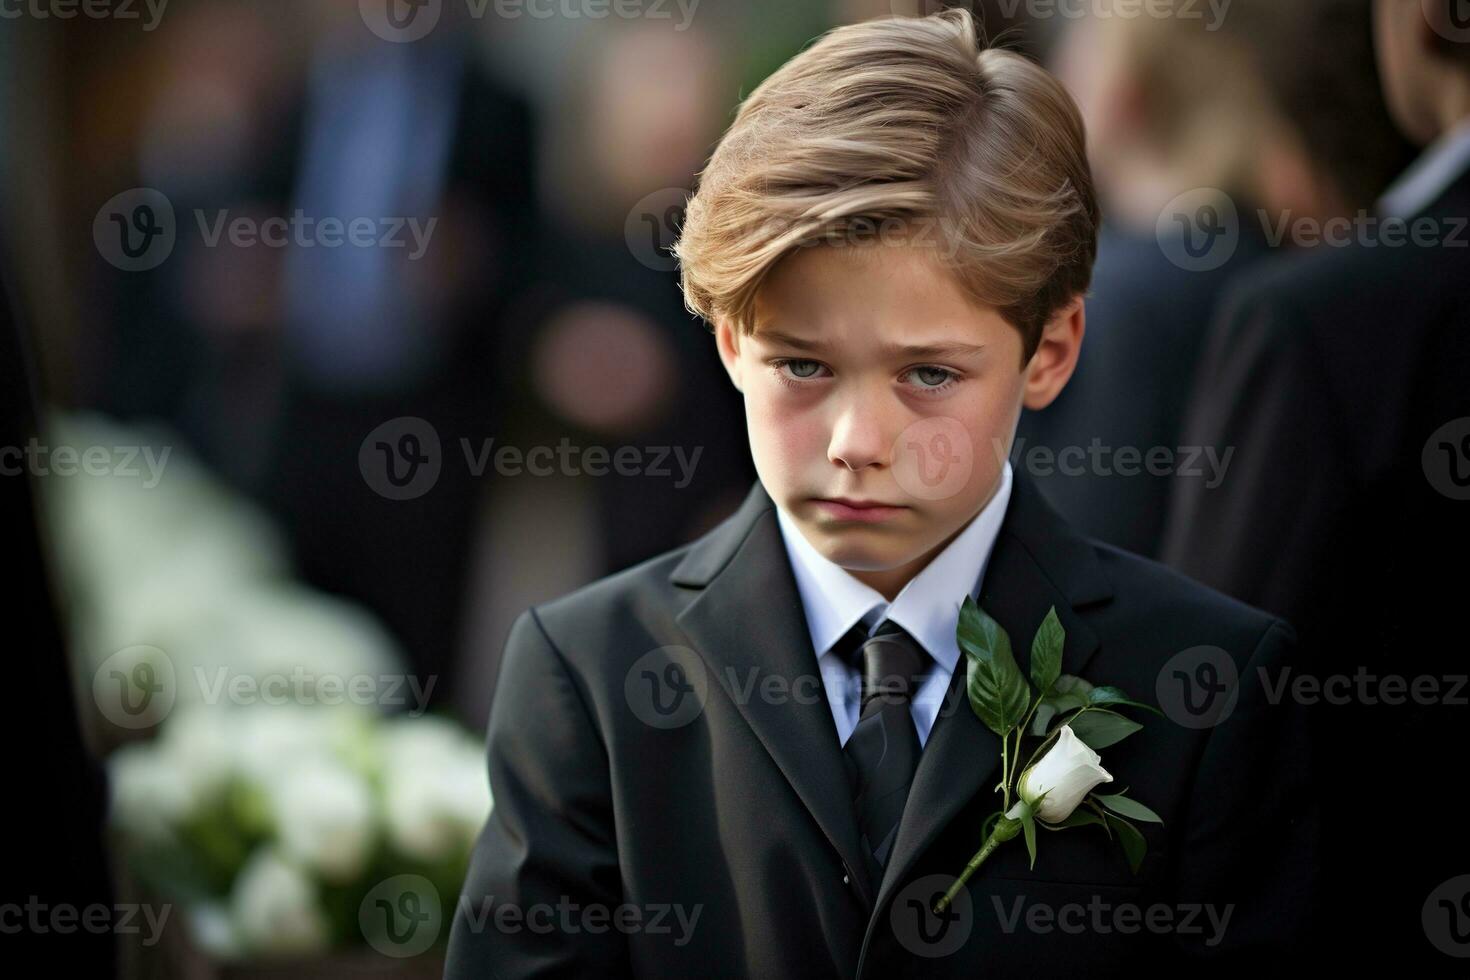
787	442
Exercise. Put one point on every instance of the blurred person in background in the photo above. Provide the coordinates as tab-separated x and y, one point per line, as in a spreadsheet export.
1341	377
1174	105
372	335
278	362
604	353
196	111
618	358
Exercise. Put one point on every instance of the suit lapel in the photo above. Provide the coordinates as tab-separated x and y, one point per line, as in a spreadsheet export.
748	624
1038	562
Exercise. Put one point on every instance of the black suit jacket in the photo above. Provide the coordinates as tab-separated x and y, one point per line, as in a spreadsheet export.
1330	377
742	811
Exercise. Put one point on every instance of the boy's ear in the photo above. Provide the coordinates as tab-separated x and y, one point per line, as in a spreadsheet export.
728	345
1056	356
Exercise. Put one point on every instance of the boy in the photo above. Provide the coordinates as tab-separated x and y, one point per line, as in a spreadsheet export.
892	243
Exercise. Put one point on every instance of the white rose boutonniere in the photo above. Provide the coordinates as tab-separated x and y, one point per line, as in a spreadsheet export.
1068	772
1071	717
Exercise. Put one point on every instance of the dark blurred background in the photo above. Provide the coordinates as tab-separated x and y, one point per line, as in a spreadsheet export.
335	414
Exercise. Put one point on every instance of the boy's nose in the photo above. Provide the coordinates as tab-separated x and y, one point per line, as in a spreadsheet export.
859	437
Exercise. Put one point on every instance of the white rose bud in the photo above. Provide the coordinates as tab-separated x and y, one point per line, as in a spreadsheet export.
1067	773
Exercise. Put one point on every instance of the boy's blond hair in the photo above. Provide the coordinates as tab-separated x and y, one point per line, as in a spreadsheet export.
906	125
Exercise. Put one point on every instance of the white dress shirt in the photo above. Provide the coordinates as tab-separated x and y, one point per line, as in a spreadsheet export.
928	607
1429	176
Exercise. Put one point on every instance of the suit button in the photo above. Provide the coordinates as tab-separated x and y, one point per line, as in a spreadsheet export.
846	879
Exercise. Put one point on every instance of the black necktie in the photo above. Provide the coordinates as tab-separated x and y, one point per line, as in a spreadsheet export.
883	750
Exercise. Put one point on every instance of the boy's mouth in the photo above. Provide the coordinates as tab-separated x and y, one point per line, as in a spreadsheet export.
859	511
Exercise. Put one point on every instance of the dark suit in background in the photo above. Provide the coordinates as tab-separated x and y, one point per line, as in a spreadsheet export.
55	860
1329	375
1146	323
741	810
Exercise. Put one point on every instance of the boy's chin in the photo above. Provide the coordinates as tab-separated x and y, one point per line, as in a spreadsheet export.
859	549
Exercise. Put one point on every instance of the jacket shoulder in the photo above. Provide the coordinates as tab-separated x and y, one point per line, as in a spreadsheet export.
1148	591
643	586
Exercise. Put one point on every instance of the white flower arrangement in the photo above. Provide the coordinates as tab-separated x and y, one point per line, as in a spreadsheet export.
250	815
266	821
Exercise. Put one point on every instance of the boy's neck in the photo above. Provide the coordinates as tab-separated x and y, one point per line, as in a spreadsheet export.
1454	108
889	582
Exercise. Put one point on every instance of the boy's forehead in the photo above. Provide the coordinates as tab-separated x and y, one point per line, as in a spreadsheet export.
895	297
935	340
849	273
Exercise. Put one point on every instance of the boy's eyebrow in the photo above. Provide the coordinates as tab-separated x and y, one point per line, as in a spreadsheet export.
952	349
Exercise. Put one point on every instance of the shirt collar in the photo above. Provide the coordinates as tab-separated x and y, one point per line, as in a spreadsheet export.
928	606
1430	176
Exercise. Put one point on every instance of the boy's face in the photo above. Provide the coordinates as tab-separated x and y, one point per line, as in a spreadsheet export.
873	378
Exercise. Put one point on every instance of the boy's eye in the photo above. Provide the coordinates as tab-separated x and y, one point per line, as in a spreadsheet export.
792	370
803	368
799	368
932	377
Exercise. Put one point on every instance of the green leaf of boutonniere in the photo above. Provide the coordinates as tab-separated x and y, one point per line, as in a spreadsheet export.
1046	652
1134	846
1068	693
998	693
1113	695
1123	806
1099	727
1028	825
1078	818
